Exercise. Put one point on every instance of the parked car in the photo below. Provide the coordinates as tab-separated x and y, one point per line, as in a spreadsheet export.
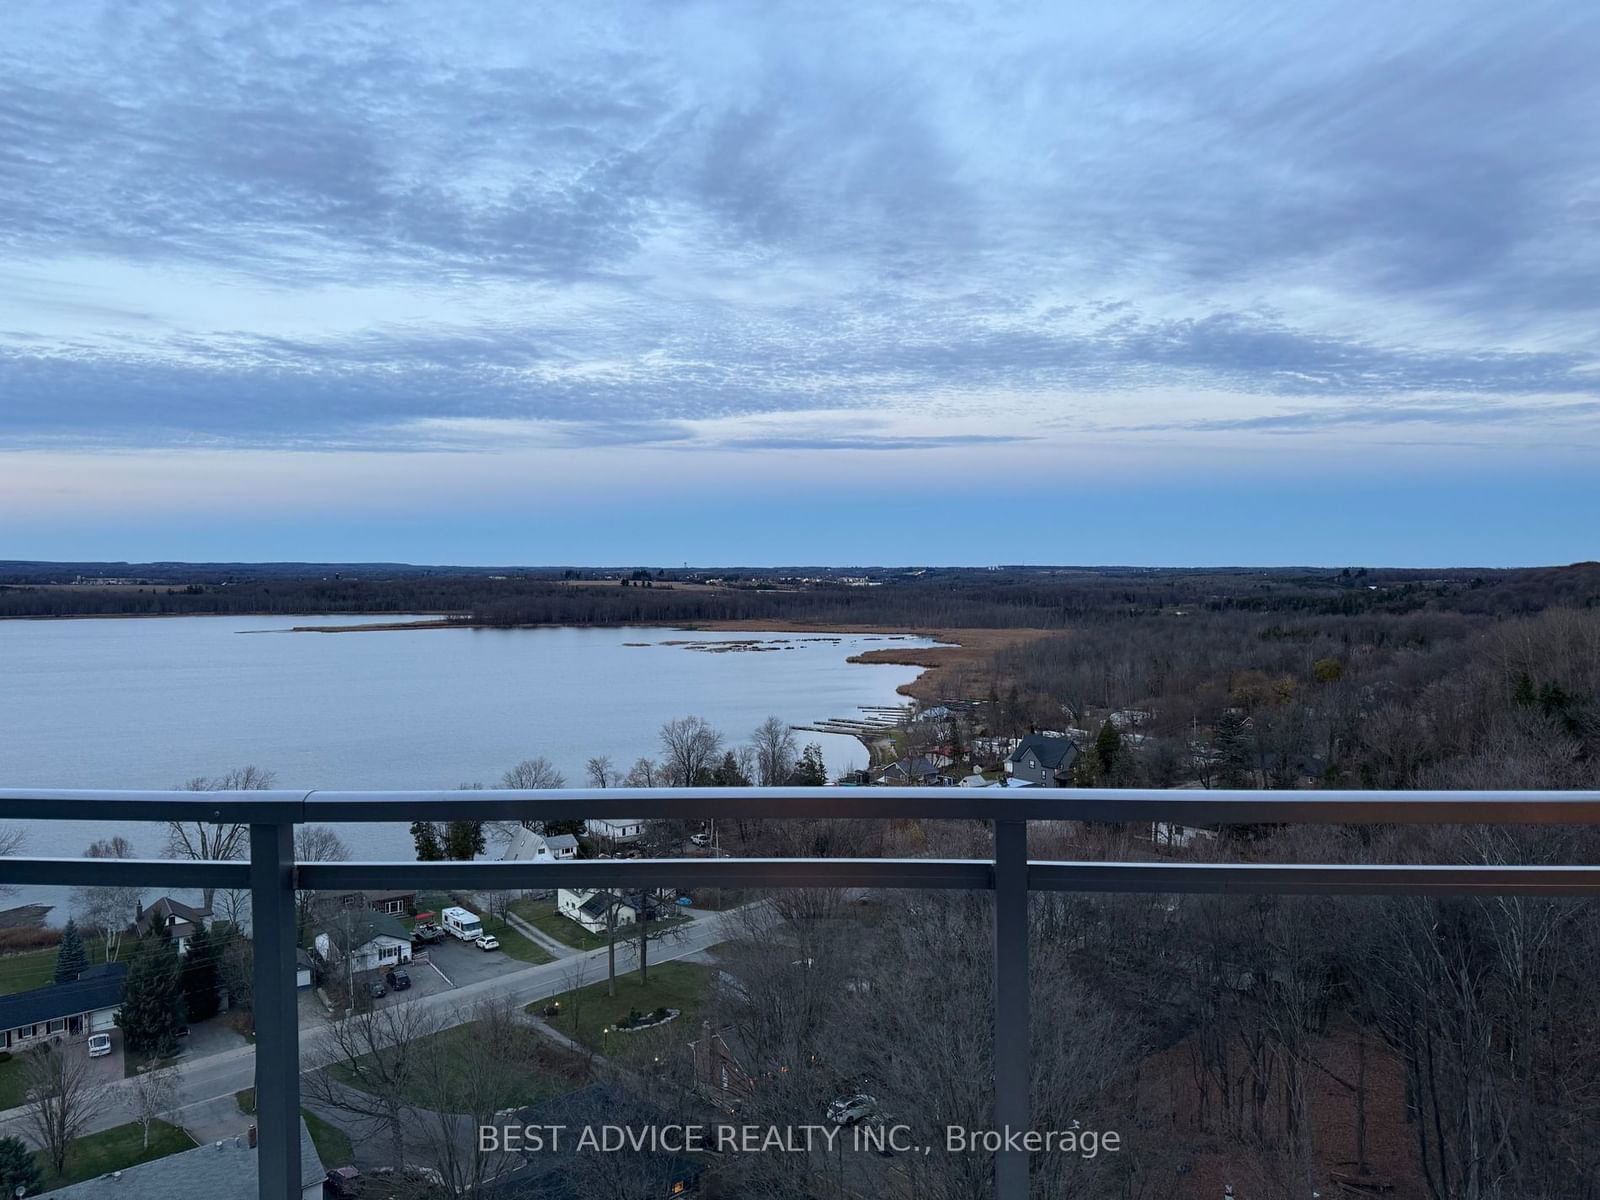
99	1045
427	932
398	979
376	989
700	839
487	942
851	1110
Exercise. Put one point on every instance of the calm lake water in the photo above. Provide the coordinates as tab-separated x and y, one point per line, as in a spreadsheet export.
149	703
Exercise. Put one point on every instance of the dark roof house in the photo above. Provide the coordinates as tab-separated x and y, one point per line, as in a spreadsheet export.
354	931
98	989
178	919
225	1170
1045	761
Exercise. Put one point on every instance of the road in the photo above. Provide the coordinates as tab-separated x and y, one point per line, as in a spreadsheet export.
207	1085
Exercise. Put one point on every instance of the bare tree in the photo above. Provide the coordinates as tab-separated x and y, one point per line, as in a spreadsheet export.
64	1095
775	752
11	840
369	1063
223	840
105	910
315	843
602	771
532	774
646	773
690	746
155	1095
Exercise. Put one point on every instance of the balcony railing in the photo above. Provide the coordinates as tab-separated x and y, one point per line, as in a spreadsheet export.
271	875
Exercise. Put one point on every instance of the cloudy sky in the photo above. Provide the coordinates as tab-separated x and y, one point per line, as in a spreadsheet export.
774	283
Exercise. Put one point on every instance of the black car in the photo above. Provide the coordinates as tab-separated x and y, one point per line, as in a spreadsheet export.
398	980
376	989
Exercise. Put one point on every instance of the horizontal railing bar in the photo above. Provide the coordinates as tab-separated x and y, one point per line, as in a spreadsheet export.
126	872
655	873
276	807
1315	879
1186	807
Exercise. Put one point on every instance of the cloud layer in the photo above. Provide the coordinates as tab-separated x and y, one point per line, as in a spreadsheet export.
796	228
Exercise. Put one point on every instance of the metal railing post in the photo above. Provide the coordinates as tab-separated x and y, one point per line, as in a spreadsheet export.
276	1010
1012	1041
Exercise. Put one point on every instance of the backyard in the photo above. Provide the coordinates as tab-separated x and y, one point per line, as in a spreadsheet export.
590	1016
36	968
113	1149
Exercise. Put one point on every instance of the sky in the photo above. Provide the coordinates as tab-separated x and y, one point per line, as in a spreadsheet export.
1213	283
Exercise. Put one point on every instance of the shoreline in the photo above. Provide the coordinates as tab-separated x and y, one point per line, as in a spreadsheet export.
963	648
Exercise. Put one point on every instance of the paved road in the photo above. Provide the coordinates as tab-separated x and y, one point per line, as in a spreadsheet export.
207	1085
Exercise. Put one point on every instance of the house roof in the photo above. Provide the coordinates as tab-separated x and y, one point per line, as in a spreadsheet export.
1053	753
225	1170
561	841
163	908
99	987
595	906
912	768
362	927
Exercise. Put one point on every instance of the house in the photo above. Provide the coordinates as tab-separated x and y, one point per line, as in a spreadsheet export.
529	845
918	770
588	908
398	903
85	1005
179	920
364	940
225	1170
615	831
1043	761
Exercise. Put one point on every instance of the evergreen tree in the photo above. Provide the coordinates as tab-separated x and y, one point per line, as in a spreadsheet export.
1230	746
728	773
152	1006
200	976
1108	752
810	771
71	957
17	1168
462	840
426	836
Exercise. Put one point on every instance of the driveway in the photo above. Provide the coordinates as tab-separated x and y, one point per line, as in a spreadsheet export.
463	964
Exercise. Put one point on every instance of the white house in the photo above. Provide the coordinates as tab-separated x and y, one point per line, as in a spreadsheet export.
588	908
528	845
615	831
370	940
59	1011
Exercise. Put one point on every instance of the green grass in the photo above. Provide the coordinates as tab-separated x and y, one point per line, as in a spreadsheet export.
13	1087
555	1072
95	1154
542	915
36	968
516	944
587	1012
333	1144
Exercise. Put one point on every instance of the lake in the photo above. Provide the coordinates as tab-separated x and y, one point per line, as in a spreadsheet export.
151	702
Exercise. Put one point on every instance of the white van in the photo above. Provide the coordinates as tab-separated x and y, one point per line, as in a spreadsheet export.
463	924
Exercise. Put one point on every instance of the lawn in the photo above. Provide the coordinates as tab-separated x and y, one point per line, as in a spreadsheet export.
555	1070
13	1088
516	944
95	1154
36	968
542	915
333	1144
587	1013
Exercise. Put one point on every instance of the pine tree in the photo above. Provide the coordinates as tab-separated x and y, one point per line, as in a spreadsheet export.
810	771
426	836
152	1006
71	958
200	976
17	1168
1108	752
463	840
